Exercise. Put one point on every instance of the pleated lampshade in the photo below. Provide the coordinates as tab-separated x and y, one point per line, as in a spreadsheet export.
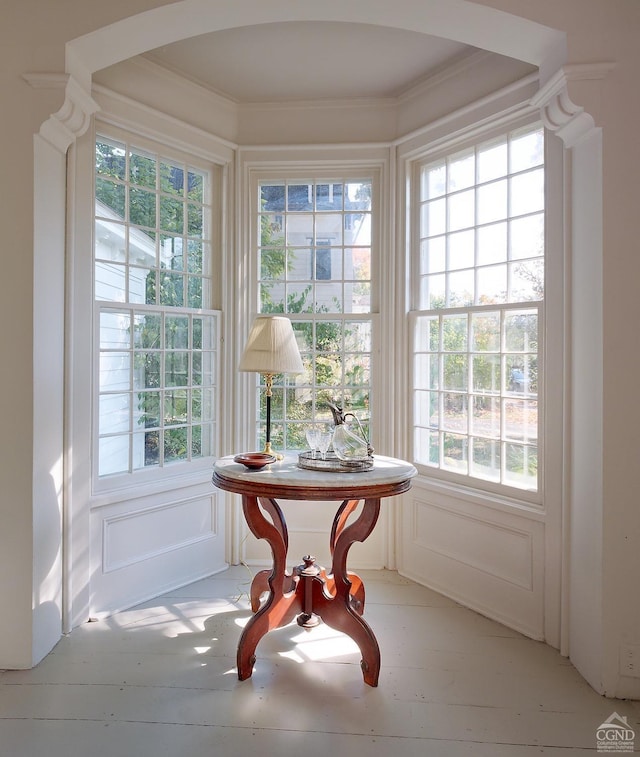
271	347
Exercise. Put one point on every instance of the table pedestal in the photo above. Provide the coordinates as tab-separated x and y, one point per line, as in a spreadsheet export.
309	592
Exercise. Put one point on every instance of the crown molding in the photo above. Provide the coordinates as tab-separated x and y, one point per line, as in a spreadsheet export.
164	128
71	121
149	64
458	67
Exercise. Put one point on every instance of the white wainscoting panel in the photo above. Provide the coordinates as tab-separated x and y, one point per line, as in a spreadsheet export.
149	545
489	559
137	536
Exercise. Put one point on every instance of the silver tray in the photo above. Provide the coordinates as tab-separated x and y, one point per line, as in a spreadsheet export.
332	463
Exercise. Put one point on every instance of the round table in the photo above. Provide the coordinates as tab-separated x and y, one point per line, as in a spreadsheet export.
309	591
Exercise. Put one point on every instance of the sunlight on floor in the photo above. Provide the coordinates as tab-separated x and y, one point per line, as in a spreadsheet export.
321	643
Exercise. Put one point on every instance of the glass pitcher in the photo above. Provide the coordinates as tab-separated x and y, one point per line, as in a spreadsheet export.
349	444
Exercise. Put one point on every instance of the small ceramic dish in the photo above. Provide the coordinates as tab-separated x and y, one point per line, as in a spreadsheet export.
254	460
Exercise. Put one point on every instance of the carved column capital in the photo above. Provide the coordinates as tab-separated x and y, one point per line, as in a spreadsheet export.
71	121
559	112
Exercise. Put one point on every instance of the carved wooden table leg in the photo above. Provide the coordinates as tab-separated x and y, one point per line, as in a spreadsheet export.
282	605
343	611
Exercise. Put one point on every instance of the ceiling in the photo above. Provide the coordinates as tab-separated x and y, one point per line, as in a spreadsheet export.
309	60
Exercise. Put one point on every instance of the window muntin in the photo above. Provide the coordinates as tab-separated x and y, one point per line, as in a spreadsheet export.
314	256
155	334
156	387
314	247
152	229
480	289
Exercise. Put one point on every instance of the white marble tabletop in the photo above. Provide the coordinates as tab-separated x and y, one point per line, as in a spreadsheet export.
386	470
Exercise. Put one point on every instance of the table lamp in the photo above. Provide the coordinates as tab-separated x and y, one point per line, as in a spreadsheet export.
271	349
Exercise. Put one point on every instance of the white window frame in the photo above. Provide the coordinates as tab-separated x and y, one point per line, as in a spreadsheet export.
329	171
173	471
504	493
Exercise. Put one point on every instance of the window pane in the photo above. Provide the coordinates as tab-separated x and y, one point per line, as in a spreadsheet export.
113	454
358	298
426	446
492	202
111	158
203	368
358	264
110	198
196	186
485	331
176	407
433	255
176	332
142	170
526	150
329	227
521	331
427	334
176	444
171	289
299	298
110	282
171	214
485	462
461	288
461	250
454	333
486	373
272	196
433	292
357	229
521	420
527	280
114	413
461	171
148	409
492	160
433	181
142	207
300	196
115	371
485	417
195	220
527	237
455	452
147	330
492	284
142	285
426	410
171	179
426	371
521	465
461	210
115	330
147	370
455	371
492	243
527	192
434	218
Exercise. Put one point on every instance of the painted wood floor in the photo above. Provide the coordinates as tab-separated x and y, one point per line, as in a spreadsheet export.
159	680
